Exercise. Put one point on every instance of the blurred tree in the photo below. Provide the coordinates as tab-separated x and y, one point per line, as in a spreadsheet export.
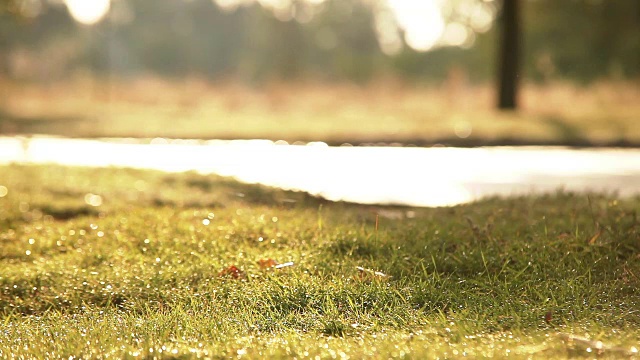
353	51
582	39
34	30
509	56
332	40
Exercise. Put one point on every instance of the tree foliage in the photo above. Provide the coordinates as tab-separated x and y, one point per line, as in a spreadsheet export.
332	40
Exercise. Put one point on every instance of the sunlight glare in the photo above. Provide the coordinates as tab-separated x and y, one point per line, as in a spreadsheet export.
456	34
88	12
387	31
483	17
422	22
409	176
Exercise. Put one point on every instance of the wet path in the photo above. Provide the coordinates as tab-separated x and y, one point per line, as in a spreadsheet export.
412	176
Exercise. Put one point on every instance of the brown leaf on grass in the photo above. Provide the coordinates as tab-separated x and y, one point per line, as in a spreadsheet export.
270	263
267	263
595	237
232	272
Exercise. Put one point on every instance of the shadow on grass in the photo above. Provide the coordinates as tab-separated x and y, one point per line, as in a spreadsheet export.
64	213
216	192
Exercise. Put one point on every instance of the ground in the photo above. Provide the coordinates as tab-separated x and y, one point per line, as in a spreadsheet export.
383	112
127	263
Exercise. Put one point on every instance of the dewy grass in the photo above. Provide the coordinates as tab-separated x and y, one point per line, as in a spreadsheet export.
118	263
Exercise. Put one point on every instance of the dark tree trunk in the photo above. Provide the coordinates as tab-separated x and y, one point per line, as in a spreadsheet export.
509	61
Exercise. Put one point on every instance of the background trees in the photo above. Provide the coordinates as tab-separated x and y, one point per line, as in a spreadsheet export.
579	40
509	54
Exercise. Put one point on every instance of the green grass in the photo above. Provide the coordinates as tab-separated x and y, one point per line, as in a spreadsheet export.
140	274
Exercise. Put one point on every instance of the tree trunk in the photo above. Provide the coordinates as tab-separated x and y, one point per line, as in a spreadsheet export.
509	60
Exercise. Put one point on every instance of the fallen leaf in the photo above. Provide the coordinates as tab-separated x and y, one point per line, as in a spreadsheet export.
267	263
595	237
232	272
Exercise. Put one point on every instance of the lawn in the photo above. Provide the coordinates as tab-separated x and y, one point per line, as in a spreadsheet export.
453	114
127	263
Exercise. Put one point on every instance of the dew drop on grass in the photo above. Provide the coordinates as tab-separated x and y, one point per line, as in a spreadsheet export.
32	241
206	222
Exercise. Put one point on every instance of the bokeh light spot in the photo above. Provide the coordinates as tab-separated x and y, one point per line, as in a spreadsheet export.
93	199
462	129
456	34
422	22
88	12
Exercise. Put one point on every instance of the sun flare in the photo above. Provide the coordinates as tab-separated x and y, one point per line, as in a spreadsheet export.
88	12
422	22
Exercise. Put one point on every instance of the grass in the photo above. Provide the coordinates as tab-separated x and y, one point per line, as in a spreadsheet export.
124	263
455	113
